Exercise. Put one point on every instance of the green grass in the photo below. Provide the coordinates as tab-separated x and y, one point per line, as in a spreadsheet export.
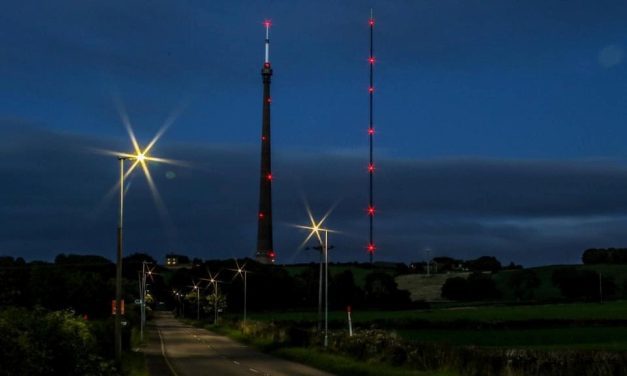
592	338
342	365
333	363
134	363
616	310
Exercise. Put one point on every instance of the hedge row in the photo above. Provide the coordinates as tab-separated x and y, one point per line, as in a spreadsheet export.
383	346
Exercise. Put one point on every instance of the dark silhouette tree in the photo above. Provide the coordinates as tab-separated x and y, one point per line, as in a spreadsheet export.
523	283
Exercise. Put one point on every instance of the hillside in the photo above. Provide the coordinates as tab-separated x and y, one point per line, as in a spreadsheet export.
423	287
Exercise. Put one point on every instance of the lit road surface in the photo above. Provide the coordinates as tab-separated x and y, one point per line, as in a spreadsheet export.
181	350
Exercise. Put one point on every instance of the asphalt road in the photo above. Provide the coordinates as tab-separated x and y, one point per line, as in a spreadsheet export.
176	349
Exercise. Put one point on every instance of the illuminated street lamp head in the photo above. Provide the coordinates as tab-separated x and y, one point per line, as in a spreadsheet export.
140	157
315	228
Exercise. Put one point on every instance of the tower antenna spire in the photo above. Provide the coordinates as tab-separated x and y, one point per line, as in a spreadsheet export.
371	207
267	24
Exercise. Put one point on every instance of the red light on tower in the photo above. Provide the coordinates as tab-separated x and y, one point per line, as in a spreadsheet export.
371	248
267	23
371	167
370	130
371	211
371	60
371	22
269	176
371	89
261	215
269	100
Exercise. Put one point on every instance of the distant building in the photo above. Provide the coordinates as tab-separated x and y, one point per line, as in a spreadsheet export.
175	261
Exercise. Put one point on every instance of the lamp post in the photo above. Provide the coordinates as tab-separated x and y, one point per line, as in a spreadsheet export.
320	251
214	281
142	293
316	229
197	302
138	158
240	271
326	288
196	287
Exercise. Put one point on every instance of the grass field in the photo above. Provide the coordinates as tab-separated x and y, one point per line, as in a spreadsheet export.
567	326
429	288
334	363
425	288
616	310
345	366
597	338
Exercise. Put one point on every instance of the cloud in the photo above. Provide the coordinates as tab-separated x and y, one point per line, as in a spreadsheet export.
610	56
532	212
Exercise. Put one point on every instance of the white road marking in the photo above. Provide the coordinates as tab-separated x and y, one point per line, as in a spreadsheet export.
165	357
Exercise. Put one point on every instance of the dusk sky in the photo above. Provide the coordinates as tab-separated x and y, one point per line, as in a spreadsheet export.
501	126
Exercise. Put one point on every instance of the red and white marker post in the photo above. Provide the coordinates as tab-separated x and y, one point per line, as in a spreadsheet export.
350	322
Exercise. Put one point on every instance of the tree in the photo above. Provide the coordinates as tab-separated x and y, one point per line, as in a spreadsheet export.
477	286
484	264
445	263
381	291
523	282
344	292
455	289
604	256
582	284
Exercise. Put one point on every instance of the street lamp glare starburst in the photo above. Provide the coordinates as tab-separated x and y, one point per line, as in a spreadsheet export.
315	228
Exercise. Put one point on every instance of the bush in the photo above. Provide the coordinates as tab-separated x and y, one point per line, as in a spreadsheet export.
523	282
48	343
582	284
381	291
477	286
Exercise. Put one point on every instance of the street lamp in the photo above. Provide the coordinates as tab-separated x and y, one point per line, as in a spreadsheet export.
139	158
316	229
197	288
320	249
146	271
240	271
213	279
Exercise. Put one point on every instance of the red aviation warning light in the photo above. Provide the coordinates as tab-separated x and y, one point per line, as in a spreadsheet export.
269	177
371	89
371	248
370	131
268	23
371	211
371	60
261	215
371	167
